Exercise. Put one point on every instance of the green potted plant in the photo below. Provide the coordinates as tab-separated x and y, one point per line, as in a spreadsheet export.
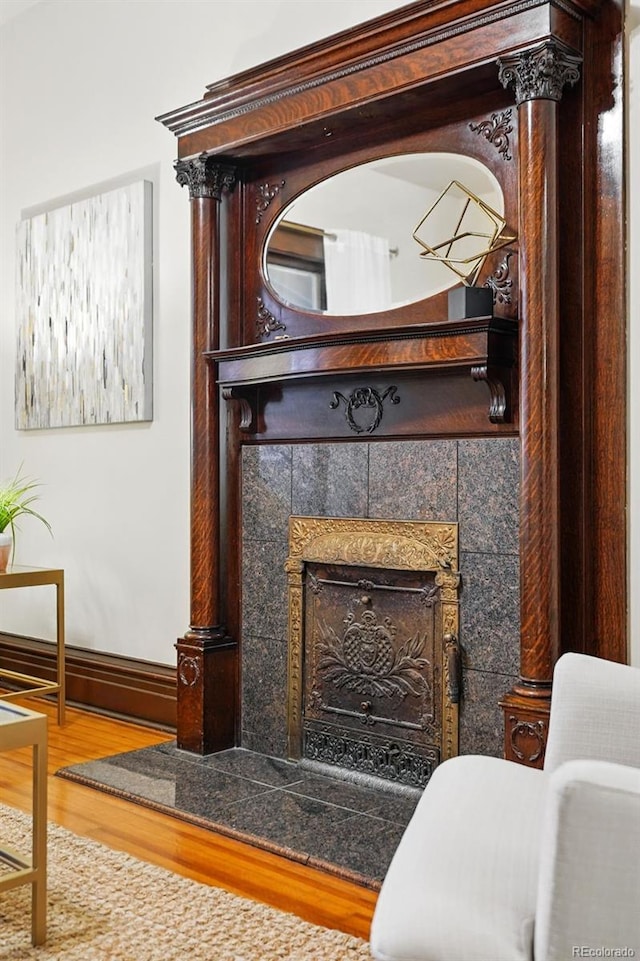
16	498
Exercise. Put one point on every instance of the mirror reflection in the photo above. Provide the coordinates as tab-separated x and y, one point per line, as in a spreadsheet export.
346	245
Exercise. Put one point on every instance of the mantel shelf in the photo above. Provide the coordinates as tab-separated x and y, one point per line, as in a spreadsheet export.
486	346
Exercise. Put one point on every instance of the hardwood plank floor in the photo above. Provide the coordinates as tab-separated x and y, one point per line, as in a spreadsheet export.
166	841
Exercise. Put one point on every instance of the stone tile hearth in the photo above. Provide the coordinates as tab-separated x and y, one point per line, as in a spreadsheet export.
336	824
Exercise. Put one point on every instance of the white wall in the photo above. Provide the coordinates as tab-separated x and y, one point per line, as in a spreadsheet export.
80	84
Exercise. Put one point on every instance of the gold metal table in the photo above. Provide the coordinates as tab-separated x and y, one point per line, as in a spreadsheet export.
17	576
20	727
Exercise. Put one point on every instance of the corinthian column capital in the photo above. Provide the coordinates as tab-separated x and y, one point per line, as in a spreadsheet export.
204	176
540	73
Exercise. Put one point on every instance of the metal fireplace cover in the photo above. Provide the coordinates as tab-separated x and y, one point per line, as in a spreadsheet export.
373	643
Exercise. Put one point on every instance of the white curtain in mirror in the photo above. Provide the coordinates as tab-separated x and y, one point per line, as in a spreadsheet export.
357	272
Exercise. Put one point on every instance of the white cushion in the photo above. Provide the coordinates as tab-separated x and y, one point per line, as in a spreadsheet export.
462	884
589	879
595	712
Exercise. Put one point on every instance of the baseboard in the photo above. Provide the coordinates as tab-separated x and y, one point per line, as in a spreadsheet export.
120	686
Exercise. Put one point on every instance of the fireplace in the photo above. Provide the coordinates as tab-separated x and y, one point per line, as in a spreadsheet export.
373	656
512	87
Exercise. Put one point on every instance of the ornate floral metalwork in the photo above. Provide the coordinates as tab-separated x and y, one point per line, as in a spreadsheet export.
400	545
367	398
205	176
366	661
540	74
496	131
388	759
500	283
294	707
266	322
373	543
266	192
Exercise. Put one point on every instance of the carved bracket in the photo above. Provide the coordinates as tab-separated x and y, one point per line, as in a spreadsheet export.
246	411
368	398
498	381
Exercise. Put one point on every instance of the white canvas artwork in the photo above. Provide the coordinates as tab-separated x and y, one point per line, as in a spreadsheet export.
84	312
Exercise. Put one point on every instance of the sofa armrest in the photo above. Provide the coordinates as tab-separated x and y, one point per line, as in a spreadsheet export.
589	877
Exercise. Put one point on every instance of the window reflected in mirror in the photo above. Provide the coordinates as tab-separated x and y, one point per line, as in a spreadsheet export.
346	245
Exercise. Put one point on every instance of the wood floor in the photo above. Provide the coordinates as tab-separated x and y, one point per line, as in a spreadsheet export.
167	841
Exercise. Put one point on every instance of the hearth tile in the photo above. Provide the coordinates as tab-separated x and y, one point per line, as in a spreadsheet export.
266	489
278	816
272	771
490	612
488	495
395	808
343	793
354	796
413	480
264	694
329	480
264	588
173	782
481	718
361	843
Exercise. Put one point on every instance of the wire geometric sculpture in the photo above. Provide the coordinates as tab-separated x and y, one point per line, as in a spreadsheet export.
478	230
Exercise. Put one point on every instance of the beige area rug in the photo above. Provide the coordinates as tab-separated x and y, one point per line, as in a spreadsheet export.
108	906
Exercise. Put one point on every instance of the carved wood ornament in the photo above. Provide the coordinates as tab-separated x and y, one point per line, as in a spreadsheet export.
528	88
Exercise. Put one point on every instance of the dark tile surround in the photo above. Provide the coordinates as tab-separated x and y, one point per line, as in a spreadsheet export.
474	482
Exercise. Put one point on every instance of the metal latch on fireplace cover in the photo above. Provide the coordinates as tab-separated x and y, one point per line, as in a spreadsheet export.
452	655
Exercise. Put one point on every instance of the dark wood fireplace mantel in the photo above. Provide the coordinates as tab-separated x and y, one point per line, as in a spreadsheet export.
531	90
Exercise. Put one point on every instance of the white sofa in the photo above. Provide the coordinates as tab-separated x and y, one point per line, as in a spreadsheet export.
505	863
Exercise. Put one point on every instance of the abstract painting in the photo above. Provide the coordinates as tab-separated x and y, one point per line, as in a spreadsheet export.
84	312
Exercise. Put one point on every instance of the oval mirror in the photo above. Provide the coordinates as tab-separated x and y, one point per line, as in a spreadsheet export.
359	241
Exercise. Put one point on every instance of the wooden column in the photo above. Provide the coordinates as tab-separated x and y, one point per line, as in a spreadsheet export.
207	656
538	77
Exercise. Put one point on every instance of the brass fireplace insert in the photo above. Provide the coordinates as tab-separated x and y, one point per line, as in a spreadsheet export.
373	655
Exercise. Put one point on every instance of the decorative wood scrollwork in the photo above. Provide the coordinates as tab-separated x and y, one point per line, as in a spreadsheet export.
367	398
266	192
266	322
527	739
496	131
188	670
500	283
